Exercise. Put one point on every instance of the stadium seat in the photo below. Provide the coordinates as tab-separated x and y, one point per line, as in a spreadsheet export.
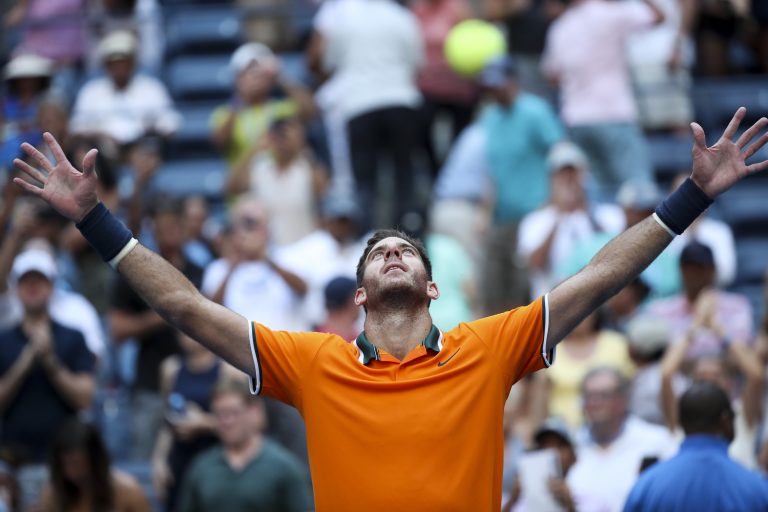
715	100
192	140
669	155
200	78
202	30
180	178
752	262
745	207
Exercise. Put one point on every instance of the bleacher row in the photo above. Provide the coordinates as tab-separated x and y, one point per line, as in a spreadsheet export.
199	43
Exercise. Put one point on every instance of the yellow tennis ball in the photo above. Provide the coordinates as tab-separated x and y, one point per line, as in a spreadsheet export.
471	44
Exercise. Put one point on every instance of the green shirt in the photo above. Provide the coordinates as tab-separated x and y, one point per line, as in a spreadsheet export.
273	481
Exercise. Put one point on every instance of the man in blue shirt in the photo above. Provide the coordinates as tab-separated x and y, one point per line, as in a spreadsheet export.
701	476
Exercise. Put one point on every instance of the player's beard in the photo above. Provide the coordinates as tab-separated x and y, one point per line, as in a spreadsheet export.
397	295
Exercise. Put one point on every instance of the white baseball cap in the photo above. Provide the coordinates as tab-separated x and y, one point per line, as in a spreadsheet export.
249	53
34	260
118	44
28	66
566	154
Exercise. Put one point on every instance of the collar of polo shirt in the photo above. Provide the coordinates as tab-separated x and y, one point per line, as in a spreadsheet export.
369	351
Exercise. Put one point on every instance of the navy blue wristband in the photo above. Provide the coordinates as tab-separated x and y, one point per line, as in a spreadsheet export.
683	206
106	234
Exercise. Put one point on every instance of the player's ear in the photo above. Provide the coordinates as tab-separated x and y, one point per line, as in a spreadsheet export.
432	292
360	297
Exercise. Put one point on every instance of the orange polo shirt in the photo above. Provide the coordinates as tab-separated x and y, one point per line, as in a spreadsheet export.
424	433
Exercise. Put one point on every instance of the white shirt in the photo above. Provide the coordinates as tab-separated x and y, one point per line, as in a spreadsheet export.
606	475
373	50
67	308
573	228
127	114
256	292
318	258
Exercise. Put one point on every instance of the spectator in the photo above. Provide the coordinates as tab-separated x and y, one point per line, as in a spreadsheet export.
444	92
253	267
648	341
65	307
586	56
373	50
248	471
520	129
715	234
526	25
587	347
614	443
718	367
198	246
46	368
551	435
82	477
131	318
716	30
760	15
456	273
123	106
701	476
732	312
660	61
550	233
620	309
286	179
27	77
462	195
186	383
638	200
334	249
54	29
238	129
342	314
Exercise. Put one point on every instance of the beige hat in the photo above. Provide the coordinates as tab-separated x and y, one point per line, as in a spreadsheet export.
647	334
250	53
116	45
28	66
566	154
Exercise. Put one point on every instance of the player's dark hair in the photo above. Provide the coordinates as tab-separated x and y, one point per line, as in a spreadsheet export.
74	435
702	408
380	235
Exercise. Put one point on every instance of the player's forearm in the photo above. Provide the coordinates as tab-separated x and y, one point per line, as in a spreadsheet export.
614	267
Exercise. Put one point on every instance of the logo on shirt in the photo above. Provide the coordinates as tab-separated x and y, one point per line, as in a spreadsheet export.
443	363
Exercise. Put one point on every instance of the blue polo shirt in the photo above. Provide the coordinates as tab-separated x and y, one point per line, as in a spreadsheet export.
32	416
700	477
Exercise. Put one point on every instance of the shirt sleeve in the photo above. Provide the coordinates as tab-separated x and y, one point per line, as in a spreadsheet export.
518	339
281	360
632	16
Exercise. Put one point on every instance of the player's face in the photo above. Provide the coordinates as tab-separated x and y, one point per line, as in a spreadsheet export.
394	269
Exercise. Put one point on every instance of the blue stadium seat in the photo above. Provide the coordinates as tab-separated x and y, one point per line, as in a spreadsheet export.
716	99
669	155
200	78
745	207
192	140
181	178
202	30
752	259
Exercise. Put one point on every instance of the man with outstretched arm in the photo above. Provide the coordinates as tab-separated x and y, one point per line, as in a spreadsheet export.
406	416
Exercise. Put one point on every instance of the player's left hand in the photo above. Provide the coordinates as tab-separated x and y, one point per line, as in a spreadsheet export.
716	168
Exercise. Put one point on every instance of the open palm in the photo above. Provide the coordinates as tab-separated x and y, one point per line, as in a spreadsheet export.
718	167
71	192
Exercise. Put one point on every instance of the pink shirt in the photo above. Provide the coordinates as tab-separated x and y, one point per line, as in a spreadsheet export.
436	79
732	311
586	53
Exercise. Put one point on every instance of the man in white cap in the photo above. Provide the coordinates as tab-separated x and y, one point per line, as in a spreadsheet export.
549	234
238	128
46	368
124	105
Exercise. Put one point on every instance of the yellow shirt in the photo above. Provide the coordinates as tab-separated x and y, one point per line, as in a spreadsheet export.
565	377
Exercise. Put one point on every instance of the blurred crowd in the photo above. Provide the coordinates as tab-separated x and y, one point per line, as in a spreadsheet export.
514	178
